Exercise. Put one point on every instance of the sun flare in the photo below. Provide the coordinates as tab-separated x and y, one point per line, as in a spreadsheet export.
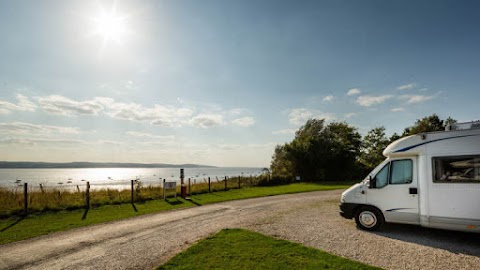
110	25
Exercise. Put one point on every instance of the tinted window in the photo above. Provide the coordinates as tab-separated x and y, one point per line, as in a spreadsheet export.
459	169
401	172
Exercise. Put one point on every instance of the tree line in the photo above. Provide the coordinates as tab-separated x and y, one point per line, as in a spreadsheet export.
337	152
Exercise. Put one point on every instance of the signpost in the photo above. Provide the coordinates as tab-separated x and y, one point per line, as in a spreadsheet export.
169	185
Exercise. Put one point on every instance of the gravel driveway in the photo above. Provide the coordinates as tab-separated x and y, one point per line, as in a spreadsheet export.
308	218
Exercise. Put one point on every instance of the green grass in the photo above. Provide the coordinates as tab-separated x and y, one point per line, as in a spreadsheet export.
15	228
241	249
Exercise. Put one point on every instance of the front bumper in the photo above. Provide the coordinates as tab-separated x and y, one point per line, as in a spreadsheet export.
347	210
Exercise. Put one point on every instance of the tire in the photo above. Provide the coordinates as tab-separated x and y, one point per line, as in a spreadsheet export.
369	218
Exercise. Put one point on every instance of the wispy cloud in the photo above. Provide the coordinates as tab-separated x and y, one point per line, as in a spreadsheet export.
207	120
407	86
158	115
287	131
353	92
299	116
149	135
29	129
23	104
328	98
368	101
244	121
398	109
350	115
412	99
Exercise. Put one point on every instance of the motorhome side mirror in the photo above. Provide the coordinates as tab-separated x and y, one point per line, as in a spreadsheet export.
371	182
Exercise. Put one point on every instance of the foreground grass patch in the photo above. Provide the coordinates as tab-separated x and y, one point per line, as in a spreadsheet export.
241	249
15	229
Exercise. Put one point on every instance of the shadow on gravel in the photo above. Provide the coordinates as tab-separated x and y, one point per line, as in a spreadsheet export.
456	242
13	224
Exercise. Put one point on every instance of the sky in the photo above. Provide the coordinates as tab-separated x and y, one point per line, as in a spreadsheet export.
223	82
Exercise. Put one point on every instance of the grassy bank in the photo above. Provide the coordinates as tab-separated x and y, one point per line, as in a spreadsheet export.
18	228
241	249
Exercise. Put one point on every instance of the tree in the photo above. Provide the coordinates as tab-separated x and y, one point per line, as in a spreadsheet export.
319	152
428	124
373	145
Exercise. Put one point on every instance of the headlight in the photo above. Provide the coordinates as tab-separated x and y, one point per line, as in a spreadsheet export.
342	199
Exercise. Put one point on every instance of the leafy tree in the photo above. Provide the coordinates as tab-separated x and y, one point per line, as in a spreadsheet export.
373	145
428	124
319	152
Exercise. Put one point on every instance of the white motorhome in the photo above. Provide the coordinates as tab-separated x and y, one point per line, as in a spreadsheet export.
429	179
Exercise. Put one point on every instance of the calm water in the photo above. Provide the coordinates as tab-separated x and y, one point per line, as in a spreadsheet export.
117	178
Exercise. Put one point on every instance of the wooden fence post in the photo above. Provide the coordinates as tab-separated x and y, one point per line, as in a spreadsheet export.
189	187
163	188
131	193
209	184
225	183
25	197
239	184
87	195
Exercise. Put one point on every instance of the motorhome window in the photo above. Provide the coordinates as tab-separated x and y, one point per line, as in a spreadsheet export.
457	169
381	179
401	171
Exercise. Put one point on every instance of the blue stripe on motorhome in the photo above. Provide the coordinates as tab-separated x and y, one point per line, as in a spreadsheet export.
396	209
420	144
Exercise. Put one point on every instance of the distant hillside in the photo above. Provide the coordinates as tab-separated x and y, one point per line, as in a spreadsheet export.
72	165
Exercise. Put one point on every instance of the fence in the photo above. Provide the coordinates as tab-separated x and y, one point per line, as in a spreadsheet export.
25	198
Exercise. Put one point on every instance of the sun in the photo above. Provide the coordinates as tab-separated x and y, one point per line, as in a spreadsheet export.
110	25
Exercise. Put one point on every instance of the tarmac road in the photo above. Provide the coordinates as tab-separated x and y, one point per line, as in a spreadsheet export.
309	218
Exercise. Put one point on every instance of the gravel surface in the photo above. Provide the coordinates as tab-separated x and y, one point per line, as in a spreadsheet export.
309	218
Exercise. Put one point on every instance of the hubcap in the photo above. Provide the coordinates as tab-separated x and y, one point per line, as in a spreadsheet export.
368	219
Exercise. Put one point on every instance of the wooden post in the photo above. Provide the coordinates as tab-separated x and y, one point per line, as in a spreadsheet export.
239	186
209	184
225	183
87	196
132	195
189	187
163	187
25	197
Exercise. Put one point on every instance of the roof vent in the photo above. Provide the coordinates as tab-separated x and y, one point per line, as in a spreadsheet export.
464	126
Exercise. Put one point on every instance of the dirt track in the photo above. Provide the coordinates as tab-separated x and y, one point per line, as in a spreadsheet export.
308	218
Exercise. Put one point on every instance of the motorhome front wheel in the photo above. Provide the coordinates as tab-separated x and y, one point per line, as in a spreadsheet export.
369	218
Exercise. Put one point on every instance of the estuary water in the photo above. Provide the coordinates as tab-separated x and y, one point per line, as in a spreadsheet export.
114	178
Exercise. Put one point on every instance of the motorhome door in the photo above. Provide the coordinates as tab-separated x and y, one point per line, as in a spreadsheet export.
395	191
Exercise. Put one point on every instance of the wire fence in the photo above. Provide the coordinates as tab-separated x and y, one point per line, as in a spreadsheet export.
26	199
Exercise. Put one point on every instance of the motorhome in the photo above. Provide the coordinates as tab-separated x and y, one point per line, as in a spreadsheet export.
428	179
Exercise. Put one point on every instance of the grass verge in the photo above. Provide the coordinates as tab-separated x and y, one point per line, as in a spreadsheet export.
19	228
242	249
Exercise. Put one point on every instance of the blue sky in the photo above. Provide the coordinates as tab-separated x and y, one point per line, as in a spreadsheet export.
222	82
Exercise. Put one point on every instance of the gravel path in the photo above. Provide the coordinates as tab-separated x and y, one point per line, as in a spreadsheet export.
309	218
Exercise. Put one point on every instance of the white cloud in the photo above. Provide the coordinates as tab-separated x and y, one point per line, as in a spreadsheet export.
368	101
412	99
23	104
150	135
299	116
328	98
353	91
27	128
407	86
287	131
64	106
207	120
40	141
350	115
398	109
244	121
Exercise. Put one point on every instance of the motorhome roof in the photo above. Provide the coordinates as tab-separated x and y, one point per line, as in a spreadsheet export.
411	144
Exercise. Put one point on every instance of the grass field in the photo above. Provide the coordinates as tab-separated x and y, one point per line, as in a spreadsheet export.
19	228
241	249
